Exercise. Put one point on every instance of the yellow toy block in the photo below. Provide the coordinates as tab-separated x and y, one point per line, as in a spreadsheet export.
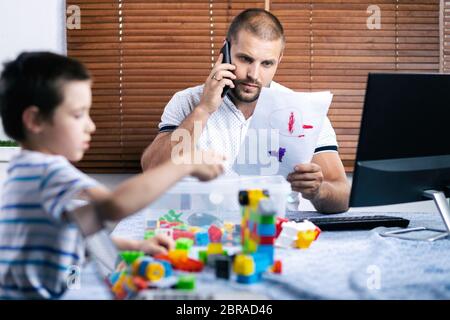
178	255
254	196
155	271
244	265
117	288
229	227
305	238
252	245
214	248
194	229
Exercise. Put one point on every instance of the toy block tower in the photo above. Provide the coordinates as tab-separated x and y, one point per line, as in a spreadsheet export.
258	235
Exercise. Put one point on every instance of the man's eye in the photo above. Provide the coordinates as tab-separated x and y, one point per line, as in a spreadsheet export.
267	64
246	59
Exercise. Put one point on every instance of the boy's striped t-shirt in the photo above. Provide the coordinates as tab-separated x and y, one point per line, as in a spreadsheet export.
40	253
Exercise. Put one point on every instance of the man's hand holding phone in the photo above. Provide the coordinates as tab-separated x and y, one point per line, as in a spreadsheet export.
221	75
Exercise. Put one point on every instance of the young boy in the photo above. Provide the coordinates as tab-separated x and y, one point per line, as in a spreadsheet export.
45	100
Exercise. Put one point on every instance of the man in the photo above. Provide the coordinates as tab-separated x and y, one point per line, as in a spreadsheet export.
257	43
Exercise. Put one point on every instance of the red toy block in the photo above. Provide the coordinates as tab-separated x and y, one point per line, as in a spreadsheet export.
280	221
140	283
266	240
215	234
183	234
190	265
277	266
318	232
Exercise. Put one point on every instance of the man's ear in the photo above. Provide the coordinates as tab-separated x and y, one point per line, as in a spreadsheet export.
281	57
32	119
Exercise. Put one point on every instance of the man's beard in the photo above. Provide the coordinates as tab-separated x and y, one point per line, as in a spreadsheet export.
242	96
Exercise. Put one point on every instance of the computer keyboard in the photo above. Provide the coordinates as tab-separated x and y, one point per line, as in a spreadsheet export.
355	223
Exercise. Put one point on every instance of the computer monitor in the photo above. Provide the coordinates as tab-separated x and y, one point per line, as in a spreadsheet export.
404	140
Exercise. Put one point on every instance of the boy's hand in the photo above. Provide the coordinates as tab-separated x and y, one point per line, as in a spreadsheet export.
159	244
209	167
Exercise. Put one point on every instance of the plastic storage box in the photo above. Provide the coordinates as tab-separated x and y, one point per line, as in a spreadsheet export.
217	198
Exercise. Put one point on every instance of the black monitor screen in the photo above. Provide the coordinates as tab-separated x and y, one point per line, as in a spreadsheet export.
405	115
404	141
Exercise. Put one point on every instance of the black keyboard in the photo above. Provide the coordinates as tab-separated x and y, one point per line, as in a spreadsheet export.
355	223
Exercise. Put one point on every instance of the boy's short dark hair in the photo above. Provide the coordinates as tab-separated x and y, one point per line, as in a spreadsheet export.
35	79
259	22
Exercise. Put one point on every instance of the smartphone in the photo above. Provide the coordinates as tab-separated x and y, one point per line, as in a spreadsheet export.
226	59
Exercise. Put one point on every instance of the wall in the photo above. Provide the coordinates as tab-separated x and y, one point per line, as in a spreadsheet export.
30	25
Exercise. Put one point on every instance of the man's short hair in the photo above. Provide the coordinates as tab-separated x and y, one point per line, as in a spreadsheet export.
259	22
35	79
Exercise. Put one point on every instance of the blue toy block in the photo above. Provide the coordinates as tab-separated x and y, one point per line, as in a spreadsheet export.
266	230
262	262
201	238
267	250
167	268
256	277
152	224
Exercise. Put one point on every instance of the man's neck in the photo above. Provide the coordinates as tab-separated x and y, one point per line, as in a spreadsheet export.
246	108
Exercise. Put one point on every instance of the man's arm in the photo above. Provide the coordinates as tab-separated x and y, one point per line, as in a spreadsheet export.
323	182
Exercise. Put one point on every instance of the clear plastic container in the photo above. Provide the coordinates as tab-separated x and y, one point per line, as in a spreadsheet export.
218	198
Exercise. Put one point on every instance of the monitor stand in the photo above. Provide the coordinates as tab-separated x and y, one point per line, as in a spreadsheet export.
444	209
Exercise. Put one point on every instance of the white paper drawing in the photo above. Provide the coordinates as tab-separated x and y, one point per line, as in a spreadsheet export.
283	132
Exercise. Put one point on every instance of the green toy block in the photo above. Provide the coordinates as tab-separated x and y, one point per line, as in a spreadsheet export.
267	219
149	234
181	227
184	243
172	216
203	256
130	256
186	282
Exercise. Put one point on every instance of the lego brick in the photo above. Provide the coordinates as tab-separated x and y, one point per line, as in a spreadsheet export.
267	240
177	255
201	238
167	268
279	224
267	220
266	230
215	248
215	234
186	282
189	265
244	265
262	262
152	224
184	243
130	256
203	256
182	234
249	279
223	267
277	266
304	239
154	271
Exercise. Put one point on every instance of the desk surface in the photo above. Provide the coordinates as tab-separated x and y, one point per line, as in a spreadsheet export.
339	265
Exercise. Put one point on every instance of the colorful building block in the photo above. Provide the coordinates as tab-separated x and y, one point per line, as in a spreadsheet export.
186	282
184	243
215	234
201	238
214	248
